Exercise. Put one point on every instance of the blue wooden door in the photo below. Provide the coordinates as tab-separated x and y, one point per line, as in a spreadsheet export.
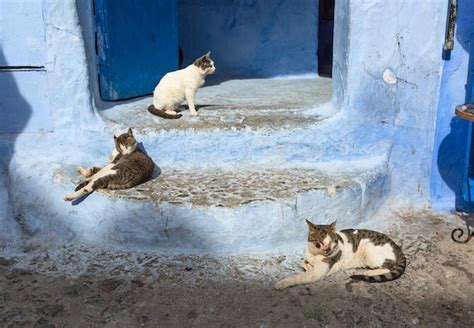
137	43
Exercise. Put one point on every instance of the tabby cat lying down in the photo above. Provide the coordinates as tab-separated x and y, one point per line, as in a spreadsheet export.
328	251
128	167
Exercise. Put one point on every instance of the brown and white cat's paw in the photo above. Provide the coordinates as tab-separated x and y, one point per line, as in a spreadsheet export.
282	284
307	266
194	113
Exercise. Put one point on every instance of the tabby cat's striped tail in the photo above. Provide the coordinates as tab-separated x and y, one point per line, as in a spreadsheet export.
395	273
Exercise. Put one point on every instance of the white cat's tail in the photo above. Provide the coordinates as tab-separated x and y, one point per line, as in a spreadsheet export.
162	113
395	272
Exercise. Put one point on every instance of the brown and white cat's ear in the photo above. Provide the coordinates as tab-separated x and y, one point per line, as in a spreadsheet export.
333	226
208	54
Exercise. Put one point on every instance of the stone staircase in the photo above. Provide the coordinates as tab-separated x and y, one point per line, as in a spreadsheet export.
236	187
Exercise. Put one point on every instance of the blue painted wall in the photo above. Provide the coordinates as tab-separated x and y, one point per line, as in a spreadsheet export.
373	115
451	132
23	44
406	39
250	38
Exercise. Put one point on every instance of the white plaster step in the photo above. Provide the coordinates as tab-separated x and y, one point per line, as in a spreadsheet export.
254	104
215	210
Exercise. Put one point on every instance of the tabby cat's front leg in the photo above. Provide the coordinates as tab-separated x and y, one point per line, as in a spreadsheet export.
317	273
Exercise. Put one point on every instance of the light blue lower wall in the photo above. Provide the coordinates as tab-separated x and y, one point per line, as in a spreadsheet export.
250	38
451	132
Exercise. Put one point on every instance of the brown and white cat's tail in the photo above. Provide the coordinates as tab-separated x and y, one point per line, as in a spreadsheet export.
162	113
395	272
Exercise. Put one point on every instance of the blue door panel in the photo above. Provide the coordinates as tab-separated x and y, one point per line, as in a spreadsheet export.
137	43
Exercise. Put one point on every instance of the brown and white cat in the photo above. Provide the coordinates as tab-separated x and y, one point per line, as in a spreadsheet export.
328	251
180	85
128	167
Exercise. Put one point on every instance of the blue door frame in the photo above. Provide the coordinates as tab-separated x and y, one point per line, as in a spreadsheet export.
136	44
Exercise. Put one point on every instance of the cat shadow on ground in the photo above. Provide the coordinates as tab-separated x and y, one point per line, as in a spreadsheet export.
156	173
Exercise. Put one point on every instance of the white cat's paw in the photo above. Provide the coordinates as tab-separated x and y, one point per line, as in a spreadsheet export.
68	198
194	113
282	284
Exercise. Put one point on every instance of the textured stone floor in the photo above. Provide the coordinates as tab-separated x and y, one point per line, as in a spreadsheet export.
217	187
77	286
235	104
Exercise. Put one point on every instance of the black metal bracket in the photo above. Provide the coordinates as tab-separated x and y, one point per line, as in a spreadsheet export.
458	233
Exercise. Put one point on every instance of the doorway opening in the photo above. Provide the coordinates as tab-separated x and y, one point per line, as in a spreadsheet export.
325	37
137	45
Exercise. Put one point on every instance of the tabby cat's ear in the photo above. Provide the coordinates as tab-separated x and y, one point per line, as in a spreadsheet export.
309	223
333	226
130	132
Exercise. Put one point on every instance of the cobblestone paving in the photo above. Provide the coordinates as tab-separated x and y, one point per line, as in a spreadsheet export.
227	188
76	286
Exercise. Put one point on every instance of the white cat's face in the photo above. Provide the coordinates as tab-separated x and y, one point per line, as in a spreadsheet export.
205	64
211	69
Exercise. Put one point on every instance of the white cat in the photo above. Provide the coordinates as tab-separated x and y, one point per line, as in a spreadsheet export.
177	86
328	251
